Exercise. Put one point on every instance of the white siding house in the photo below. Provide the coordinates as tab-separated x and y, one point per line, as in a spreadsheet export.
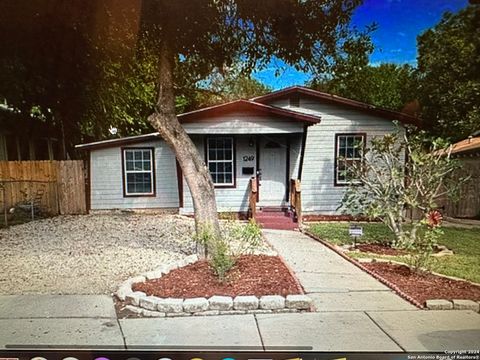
107	187
295	133
320	193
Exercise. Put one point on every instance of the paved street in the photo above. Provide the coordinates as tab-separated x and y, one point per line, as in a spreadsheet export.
354	313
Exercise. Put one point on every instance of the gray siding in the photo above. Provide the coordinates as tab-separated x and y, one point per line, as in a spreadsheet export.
228	199
243	123
107	182
319	194
236	199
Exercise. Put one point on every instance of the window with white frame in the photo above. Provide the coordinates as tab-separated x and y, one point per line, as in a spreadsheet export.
138	171
348	153
220	155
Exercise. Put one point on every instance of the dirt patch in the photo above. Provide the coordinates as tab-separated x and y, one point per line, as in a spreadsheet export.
380	249
424	286
252	275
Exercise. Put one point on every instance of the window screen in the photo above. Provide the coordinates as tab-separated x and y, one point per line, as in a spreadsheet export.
347	153
138	168
220	160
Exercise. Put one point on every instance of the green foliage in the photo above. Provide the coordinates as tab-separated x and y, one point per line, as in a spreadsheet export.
243	238
236	239
214	34
423	246
465	244
337	233
387	186
221	261
449	74
125	95
388	86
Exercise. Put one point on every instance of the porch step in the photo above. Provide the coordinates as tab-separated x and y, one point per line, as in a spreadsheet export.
273	209
280	220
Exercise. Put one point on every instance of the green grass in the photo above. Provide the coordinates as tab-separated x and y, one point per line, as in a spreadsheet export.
465	243
337	233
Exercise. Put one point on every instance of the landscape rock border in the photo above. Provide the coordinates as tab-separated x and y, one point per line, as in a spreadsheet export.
151	306
455	304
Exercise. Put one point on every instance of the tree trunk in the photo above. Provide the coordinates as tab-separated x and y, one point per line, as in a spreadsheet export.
194	170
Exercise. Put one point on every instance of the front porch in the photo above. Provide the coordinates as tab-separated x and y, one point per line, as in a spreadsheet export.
245	140
265	165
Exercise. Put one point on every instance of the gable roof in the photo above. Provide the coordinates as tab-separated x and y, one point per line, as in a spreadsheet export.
210	113
338	100
120	141
246	106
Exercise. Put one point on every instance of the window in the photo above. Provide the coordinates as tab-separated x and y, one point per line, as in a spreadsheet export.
220	155
138	172
348	152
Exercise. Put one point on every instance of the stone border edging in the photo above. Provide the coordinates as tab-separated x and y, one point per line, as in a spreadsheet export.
138	302
455	304
368	271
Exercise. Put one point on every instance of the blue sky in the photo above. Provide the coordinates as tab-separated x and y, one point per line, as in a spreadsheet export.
399	22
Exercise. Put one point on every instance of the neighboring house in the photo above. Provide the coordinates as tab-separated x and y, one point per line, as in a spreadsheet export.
467	152
295	133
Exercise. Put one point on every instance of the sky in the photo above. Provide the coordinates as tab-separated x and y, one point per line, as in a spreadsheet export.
399	22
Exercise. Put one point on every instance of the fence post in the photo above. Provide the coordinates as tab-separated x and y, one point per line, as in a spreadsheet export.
31	202
4	193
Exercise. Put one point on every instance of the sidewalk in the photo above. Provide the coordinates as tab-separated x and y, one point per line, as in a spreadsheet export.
333	283
354	313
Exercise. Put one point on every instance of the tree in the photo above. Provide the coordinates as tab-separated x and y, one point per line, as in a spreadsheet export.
449	74
124	94
386	185
43	67
388	85
211	34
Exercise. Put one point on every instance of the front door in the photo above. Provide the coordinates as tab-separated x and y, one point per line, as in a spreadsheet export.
273	171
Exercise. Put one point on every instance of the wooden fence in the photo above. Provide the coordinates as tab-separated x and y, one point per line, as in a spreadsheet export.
468	203
55	187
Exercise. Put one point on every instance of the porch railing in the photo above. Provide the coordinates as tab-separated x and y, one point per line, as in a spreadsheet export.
252	198
296	200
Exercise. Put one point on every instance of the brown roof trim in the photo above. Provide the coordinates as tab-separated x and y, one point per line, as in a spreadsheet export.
117	142
249	106
358	105
470	144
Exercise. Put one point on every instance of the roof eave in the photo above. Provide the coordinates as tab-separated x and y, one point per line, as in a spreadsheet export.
385	113
117	142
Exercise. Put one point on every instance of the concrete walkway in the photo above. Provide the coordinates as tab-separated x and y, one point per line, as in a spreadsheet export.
354	313
333	283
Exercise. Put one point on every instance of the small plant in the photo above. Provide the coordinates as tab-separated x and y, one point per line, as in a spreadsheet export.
222	261
224	252
244	239
426	241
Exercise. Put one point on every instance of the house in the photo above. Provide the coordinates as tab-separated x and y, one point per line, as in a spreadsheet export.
295	133
467	152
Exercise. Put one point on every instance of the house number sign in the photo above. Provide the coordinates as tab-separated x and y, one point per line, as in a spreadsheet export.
248	158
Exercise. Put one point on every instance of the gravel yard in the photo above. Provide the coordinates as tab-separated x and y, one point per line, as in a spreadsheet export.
90	254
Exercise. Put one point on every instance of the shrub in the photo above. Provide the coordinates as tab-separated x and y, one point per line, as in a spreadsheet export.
237	239
386	186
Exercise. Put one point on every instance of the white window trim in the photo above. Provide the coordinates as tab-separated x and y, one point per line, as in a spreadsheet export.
337	157
125	172
232	161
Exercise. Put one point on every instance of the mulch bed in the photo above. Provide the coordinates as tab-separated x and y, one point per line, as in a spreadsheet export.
422	287
380	249
252	275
